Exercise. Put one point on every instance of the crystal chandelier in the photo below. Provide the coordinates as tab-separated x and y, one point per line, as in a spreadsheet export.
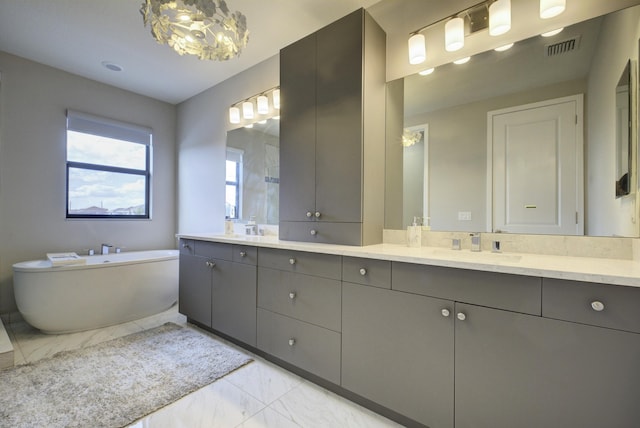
205	28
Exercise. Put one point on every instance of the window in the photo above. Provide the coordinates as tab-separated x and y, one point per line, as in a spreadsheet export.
234	186
108	168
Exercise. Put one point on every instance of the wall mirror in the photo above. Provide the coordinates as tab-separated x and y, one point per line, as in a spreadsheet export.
253	173
461	105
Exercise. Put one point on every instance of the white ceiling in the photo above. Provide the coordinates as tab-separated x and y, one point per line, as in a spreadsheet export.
78	35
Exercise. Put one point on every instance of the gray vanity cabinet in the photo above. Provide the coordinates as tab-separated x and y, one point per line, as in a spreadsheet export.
517	370
398	351
333	90
218	288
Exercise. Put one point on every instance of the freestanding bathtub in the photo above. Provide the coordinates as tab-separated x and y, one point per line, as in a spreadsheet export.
107	290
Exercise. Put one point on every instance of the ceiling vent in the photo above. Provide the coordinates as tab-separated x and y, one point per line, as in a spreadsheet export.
563	47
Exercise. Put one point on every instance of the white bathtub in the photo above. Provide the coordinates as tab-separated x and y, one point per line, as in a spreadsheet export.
107	290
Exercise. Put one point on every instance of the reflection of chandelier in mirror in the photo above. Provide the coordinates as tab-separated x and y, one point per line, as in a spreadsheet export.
409	138
205	28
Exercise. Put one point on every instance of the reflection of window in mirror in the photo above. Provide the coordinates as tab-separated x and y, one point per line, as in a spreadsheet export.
623	130
233	184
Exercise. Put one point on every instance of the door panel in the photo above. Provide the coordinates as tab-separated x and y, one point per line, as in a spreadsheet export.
534	162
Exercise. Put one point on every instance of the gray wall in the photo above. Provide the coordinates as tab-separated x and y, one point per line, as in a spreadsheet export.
33	102
201	137
607	215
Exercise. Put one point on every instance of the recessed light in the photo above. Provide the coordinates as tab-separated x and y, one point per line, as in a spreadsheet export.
462	60
552	32
503	48
111	66
426	72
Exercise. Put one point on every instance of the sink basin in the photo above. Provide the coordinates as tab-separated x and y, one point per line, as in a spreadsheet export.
480	257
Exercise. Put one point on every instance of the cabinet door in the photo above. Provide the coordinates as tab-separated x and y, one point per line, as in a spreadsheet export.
339	120
298	129
194	294
234	300
397	350
516	370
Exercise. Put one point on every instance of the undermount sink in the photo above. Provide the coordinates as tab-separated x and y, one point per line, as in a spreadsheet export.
481	256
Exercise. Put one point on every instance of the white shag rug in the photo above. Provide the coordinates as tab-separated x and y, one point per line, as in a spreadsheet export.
116	382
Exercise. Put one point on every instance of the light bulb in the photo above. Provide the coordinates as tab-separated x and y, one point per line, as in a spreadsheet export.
552	32
462	60
276	98
234	115
551	8
417	49
499	17
503	47
454	34
426	72
247	110
263	105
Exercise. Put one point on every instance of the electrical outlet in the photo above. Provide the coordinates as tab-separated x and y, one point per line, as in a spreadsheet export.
464	215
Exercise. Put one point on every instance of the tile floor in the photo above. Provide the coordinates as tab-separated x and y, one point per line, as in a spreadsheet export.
259	394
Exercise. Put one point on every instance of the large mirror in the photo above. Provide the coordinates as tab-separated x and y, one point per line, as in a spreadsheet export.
253	173
493	147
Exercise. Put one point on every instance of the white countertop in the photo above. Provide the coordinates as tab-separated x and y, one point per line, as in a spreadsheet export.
598	270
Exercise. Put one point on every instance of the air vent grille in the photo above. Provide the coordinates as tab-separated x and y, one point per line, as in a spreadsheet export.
562	47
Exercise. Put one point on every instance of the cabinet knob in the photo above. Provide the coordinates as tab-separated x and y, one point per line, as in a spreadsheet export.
445	312
597	306
363	271
309	214
461	316
313	232
292	342
292	295
211	264
185	245
243	254
292	261
317	214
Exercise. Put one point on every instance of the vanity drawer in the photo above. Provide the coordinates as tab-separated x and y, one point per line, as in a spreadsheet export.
321	232
325	265
312	299
214	250
309	347
376	273
496	290
578	301
186	247
245	254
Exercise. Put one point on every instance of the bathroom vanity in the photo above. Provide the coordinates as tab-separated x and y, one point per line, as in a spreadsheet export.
430	336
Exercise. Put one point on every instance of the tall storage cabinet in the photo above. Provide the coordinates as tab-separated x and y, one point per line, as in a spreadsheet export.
332	86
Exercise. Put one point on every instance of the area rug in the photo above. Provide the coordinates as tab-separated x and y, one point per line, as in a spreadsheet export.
116	382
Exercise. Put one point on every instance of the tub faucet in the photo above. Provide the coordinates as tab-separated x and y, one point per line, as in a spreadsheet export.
104	249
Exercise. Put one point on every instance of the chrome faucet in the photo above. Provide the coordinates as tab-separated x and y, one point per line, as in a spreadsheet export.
251	228
475	241
104	249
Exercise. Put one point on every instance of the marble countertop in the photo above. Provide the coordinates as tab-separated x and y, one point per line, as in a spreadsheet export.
598	270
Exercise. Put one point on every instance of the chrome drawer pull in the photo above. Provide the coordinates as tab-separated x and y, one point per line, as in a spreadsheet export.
243	254
292	295
292	261
292	342
597	306
210	264
462	316
445	312
363	271
317	214
313	232
309	214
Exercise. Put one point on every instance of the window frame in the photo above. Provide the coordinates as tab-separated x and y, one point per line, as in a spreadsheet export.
237	156
102	127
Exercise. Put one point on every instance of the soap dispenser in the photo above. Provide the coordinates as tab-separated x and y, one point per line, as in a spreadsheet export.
414	233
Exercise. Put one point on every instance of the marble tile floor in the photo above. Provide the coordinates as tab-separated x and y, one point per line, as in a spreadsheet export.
257	395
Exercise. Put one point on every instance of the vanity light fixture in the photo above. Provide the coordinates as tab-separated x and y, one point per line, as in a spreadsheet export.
551	8
462	60
247	110
263	104
426	72
499	17
504	47
492	14
552	32
255	108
